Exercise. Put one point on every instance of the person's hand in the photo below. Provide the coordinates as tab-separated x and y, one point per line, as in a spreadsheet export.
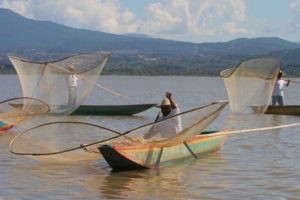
168	95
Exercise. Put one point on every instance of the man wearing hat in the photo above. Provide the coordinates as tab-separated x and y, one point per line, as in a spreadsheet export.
167	127
277	96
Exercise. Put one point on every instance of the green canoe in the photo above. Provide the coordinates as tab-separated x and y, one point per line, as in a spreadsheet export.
149	157
284	110
111	109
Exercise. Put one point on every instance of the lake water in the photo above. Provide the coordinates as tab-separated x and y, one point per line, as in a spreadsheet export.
258	165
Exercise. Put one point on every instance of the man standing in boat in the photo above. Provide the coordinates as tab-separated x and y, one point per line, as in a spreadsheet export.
167	127
277	96
72	83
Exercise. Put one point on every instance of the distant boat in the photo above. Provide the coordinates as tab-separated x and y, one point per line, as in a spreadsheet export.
284	110
111	109
4	126
149	157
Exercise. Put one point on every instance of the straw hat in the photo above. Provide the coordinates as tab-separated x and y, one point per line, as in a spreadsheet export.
70	68
283	74
165	102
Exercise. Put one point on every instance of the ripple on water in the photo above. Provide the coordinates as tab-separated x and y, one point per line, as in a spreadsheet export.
259	165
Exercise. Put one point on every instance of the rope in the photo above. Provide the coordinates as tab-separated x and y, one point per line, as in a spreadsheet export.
82	77
294	81
250	130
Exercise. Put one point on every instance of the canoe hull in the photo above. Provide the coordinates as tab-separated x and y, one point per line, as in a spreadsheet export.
111	109
146	156
284	110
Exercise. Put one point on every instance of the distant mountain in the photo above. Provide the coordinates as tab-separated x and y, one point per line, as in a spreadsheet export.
26	36
287	57
137	35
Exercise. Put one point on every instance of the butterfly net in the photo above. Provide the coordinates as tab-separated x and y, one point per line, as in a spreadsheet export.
63	84
73	141
250	85
21	110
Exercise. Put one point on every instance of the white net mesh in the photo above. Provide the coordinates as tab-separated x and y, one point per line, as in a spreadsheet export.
250	84
61	84
21	110
71	141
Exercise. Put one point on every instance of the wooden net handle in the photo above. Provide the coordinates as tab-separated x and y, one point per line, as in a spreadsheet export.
82	77
250	130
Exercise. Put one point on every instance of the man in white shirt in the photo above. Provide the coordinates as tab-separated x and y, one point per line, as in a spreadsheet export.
277	96
167	127
72	84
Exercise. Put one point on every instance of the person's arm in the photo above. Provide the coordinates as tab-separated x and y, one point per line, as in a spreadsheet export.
287	84
169	96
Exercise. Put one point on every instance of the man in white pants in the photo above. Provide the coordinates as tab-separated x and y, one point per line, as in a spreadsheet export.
277	96
168	127
72	85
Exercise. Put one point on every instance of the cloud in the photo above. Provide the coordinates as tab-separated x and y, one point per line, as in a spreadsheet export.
167	17
295	6
206	17
231	27
21	7
102	15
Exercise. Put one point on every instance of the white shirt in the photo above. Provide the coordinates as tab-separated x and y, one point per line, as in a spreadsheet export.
167	128
72	80
278	88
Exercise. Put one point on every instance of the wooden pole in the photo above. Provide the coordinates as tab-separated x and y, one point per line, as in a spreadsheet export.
292	81
82	77
250	130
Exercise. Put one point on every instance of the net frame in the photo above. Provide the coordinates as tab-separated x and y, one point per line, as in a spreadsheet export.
226	73
46	88
251	97
55	61
155	142
22	116
63	151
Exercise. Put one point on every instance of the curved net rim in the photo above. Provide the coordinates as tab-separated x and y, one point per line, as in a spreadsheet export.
55	61
235	68
102	127
58	122
31	98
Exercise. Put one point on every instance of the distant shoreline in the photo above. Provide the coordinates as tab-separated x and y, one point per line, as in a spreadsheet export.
172	75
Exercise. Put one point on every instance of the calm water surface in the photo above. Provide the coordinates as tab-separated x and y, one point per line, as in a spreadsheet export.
259	165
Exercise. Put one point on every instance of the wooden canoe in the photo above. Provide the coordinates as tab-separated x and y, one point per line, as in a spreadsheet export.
111	109
147	157
284	110
4	126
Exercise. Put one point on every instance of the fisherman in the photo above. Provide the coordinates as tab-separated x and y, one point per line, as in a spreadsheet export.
170	127
277	96
72	83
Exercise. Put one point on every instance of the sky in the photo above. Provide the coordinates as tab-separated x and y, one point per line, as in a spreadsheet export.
182	20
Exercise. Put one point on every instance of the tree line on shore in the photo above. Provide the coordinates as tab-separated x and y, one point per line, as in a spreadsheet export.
177	65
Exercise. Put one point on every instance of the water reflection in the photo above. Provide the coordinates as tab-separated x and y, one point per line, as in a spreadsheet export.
183	179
